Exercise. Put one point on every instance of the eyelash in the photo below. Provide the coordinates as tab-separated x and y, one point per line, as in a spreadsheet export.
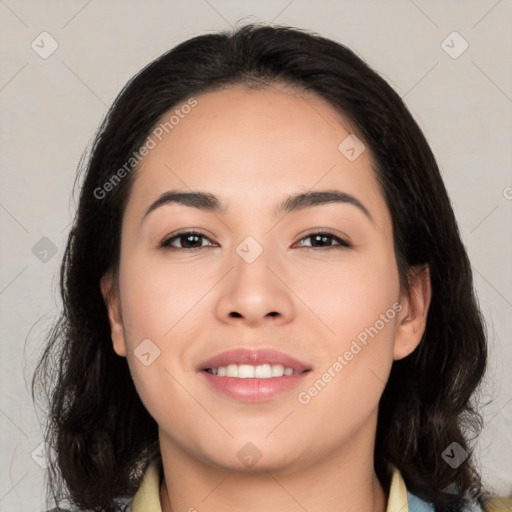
343	244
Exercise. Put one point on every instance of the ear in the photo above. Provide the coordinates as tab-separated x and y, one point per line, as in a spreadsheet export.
412	319
110	293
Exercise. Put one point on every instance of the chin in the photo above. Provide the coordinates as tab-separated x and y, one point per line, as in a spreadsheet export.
258	456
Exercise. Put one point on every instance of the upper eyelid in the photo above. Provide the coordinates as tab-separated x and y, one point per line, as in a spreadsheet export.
326	231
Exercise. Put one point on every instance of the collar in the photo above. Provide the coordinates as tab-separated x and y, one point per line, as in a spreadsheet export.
147	498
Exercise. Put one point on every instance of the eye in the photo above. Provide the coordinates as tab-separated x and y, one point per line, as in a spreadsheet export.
189	240
193	240
322	240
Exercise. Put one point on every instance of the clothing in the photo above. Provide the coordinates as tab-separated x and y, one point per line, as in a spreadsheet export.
147	498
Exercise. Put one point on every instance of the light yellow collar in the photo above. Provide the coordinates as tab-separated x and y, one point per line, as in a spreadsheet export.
397	501
147	498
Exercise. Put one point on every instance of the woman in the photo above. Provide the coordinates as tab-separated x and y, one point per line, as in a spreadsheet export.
267	303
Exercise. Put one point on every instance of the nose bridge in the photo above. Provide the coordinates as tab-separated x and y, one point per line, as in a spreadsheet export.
254	292
252	260
250	249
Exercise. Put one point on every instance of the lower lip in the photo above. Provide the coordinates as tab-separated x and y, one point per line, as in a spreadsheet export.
254	390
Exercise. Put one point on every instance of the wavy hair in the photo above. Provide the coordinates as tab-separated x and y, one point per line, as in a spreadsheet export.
103	436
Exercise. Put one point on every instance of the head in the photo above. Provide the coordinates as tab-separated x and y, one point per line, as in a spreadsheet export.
271	135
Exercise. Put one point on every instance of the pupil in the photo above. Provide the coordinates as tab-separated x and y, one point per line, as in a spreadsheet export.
188	238
320	238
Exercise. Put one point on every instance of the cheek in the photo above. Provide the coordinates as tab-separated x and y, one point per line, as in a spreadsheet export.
359	303
157	296
352	295
348	386
156	350
160	307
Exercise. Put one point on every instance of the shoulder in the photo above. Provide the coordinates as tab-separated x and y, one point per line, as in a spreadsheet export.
401	498
498	505
123	508
127	508
492	505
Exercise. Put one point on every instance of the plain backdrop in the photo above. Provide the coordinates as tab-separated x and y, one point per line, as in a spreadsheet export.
51	105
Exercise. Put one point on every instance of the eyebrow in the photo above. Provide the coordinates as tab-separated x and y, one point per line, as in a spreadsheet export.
208	202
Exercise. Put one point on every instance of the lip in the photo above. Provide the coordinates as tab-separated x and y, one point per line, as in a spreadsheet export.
253	357
253	390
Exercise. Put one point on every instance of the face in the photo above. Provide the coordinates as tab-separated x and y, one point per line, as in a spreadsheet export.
310	285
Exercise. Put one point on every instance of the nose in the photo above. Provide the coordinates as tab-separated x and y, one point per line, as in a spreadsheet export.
255	292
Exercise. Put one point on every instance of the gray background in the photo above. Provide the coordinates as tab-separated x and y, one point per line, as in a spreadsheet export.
50	108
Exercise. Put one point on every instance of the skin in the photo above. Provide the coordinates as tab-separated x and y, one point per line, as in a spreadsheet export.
252	149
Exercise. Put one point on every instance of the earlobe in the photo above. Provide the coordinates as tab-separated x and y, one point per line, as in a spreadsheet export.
413	319
110	295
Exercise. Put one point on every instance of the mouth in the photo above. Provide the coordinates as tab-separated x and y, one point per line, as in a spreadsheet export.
248	371
253	375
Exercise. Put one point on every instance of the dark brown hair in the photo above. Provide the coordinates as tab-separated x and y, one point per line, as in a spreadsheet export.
102	434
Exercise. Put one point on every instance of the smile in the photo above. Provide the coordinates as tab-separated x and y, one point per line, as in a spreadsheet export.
248	371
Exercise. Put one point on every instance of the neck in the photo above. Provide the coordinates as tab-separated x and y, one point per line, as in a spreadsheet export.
343	481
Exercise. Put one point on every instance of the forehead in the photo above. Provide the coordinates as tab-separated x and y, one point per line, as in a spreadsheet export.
248	145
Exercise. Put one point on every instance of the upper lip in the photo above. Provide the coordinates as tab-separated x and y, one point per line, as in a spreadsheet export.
253	357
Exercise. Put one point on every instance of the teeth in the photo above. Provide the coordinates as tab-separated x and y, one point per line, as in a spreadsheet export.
277	370
232	370
263	371
248	371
